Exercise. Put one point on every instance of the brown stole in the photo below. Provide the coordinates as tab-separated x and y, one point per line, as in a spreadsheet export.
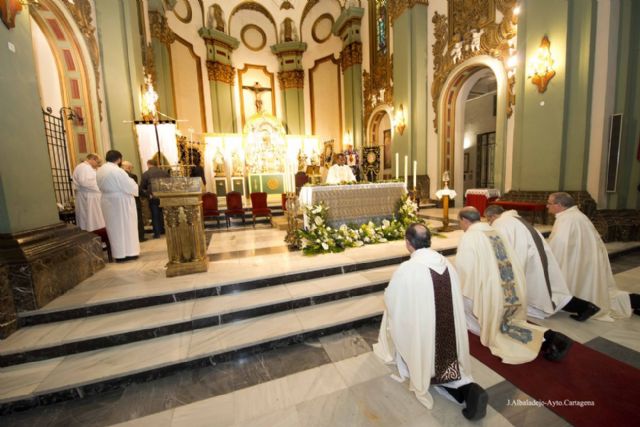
446	354
543	255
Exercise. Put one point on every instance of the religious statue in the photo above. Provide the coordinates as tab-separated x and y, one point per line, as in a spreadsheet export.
236	164
352	160
257	91
288	32
315	158
215	19
302	161
327	157
456	52
475	40
218	163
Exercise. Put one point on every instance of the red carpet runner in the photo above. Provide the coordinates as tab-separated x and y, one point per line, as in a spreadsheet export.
584	376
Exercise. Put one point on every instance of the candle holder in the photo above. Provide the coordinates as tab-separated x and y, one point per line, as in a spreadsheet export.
292	239
413	195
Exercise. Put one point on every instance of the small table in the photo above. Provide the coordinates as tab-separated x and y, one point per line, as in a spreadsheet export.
524	206
479	198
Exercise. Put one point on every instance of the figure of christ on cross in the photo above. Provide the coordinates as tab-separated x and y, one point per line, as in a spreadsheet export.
257	92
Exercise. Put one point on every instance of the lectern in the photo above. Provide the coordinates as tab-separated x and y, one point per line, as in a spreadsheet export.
181	203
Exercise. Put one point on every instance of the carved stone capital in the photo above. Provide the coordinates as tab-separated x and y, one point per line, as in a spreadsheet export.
351	55
219	72
293	79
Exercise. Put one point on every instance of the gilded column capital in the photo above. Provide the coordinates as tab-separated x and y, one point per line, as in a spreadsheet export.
397	7
219	72
160	28
293	79
351	55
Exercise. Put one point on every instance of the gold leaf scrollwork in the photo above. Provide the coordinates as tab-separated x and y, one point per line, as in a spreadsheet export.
351	55
293	79
377	85
219	72
160	28
472	32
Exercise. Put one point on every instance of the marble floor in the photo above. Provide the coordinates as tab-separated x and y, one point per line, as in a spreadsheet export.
333	380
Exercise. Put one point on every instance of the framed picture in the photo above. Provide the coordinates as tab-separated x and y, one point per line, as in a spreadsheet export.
386	138
327	157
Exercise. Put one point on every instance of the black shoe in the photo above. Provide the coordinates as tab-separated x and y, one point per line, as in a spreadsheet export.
556	346
156	236
636	311
132	258
121	260
144	239
476	399
586	313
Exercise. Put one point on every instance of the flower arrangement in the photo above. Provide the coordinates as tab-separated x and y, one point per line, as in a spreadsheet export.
320	238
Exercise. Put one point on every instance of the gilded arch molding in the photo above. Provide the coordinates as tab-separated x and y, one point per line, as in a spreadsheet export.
471	33
256	7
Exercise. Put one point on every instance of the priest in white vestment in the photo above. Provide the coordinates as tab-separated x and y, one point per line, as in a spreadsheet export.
340	172
546	289
584	260
423	328
87	205
493	286
119	207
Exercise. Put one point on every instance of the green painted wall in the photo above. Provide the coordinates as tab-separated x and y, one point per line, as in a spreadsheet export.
539	125
121	53
26	187
164	84
353	104
628	103
579	66
224	117
410	50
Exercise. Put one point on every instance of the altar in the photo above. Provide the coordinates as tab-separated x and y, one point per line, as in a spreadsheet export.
354	203
480	197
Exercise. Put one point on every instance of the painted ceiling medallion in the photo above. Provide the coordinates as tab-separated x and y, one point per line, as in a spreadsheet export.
182	11
321	29
9	9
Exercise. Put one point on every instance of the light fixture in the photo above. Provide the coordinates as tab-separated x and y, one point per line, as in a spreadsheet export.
400	121
149	99
541	66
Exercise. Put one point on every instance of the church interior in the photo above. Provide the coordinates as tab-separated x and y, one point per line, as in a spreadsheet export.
262	301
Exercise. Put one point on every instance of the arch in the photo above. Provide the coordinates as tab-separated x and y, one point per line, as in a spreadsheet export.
451	120
256	7
372	129
78	75
375	116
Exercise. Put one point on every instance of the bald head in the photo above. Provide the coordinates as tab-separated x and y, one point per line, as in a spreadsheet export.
126	165
468	216
417	237
493	212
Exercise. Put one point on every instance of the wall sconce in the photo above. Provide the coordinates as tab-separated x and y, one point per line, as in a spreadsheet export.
400	121
541	66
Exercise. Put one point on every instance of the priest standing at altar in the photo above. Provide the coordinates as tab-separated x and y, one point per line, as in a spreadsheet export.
493	285
119	207
340	172
423	328
584	260
88	211
547	291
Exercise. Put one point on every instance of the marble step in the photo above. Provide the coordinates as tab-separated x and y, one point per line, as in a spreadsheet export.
84	374
50	340
139	295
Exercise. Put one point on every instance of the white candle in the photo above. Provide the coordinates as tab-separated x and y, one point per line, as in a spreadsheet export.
397	165
415	173
406	171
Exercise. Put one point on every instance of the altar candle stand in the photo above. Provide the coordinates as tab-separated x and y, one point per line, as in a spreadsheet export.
445	194
292	239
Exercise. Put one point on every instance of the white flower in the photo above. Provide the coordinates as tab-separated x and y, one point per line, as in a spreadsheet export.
317	209
317	220
325	246
383	240
385	223
367	240
359	243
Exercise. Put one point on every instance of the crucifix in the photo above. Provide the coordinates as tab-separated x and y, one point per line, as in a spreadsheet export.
257	92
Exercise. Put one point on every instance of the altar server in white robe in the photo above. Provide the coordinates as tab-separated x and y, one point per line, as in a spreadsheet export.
547	291
584	260
493	286
340	172
88	211
119	207
423	328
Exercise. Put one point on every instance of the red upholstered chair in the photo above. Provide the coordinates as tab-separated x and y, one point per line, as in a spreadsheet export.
259	207
234	207
284	201
102	232
210	207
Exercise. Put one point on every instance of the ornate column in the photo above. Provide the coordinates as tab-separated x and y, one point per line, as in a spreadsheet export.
347	27
181	202
291	79
410	50
159	56
221	76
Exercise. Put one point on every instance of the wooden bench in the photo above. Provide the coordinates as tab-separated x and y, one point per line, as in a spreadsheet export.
524	206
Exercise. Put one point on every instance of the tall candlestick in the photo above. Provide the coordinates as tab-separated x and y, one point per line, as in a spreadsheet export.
406	171
397	165
415	173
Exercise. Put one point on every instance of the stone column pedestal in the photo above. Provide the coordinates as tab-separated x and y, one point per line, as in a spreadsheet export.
181	202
